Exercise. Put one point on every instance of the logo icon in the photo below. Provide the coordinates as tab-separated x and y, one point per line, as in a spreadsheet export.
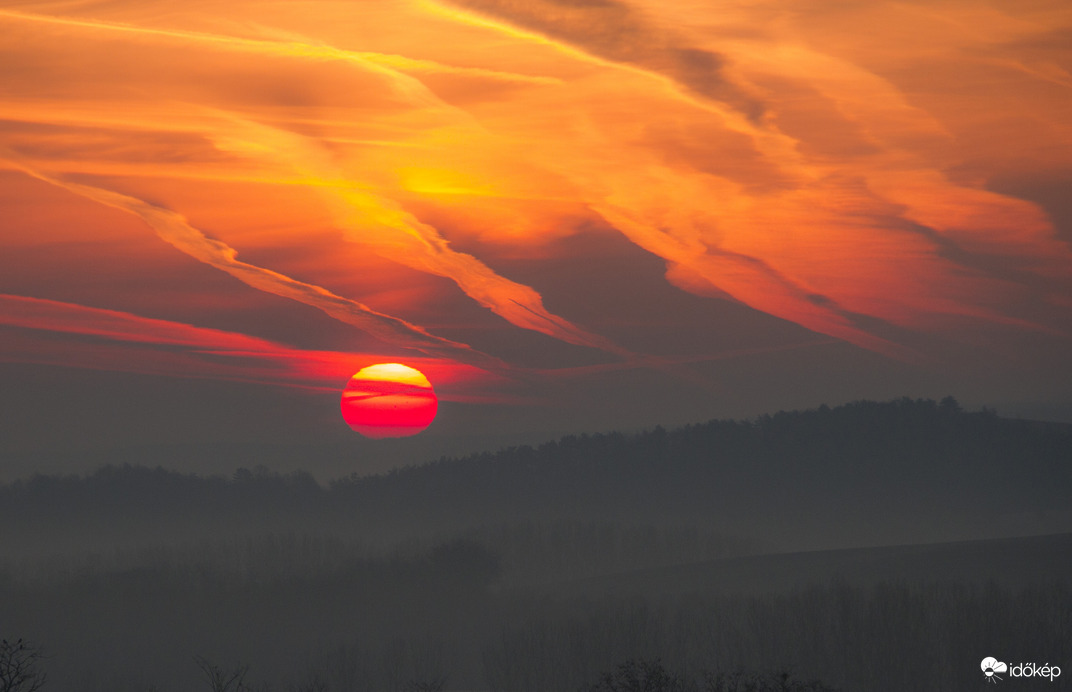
991	667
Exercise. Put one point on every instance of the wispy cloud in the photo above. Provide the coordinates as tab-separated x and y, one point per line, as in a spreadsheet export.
125	342
617	32
367	216
813	217
283	43
372	219
174	229
839	166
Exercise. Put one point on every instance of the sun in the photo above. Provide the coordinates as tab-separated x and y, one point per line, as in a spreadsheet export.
389	400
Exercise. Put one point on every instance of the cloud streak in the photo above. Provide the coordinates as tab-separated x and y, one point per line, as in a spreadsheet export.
375	221
843	193
290	46
619	32
174	229
367	217
125	342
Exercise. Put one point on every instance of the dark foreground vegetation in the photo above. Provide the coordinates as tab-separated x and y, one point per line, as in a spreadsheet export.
505	571
927	636
640	675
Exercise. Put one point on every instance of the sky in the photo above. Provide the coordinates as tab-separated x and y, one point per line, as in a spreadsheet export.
570	215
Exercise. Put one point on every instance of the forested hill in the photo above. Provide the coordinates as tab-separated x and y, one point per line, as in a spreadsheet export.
858	474
898	470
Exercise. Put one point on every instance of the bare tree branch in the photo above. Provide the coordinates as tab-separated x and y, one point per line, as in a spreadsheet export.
222	679
20	666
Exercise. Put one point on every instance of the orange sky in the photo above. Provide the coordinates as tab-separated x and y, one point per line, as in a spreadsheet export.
498	186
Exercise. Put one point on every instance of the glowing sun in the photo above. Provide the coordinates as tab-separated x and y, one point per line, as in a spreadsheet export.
388	400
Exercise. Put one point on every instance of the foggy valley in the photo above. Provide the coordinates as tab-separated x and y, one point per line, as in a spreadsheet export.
871	546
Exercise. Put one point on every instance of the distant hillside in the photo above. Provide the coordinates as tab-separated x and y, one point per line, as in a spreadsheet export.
860	474
895	472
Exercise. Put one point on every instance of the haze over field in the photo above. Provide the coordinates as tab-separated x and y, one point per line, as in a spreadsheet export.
541	568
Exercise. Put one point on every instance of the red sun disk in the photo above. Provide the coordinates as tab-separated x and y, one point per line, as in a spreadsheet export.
390	409
380	408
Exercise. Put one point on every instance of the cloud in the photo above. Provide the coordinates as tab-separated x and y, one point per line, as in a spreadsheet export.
367	216
832	165
705	270
371	218
816	218
621	33
174	229
125	342
283	43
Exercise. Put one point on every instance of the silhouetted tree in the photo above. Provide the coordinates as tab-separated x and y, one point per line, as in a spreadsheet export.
314	684
435	684
741	681
20	666
639	675
346	669
414	666
222	679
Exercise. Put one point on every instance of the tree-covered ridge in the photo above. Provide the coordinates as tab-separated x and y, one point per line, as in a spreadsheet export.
899	458
879	471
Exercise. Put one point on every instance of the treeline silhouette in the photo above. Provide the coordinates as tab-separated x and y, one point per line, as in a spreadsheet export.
858	474
886	638
894	458
642	675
